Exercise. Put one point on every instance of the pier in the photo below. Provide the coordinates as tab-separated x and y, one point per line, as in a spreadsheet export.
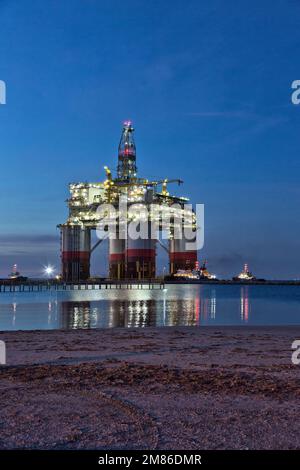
42	286
149	284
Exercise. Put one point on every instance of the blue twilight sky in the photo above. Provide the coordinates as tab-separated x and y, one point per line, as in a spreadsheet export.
208	87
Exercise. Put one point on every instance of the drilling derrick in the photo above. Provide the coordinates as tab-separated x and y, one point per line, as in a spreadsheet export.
127	153
129	258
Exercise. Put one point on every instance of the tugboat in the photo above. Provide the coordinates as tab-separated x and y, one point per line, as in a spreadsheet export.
199	273
245	275
203	271
15	275
186	275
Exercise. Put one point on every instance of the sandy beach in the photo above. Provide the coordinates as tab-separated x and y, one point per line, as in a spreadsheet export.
154	388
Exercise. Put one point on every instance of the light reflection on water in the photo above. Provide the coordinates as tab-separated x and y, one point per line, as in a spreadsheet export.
176	306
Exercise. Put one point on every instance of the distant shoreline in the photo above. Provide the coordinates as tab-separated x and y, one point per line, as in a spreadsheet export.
242	283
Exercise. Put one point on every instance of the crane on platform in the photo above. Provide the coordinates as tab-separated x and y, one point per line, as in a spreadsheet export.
140	182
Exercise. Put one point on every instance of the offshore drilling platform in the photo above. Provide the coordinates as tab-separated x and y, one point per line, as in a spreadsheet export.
128	258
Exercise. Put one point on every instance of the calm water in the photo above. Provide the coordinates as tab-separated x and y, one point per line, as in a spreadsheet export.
177	305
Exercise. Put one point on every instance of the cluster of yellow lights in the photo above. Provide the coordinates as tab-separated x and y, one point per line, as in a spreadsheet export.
186	274
80	193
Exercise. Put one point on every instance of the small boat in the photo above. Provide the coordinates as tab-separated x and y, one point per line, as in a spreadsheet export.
15	275
245	275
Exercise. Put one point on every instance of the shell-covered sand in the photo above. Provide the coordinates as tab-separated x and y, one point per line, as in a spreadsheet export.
154	388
